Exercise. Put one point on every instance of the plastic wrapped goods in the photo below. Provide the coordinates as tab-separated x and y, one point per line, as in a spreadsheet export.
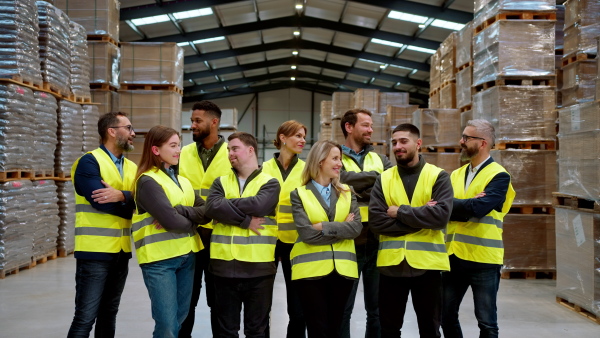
393	99
70	136
434	99
45	139
342	102
529	242
582	12
66	212
152	63
521	48
229	118
532	172
55	52
105	59
434	73
485	9
577	257
91	139
80	62
465	117
464	80
579	177
16	224
148	108
522	113
447	59
107	100
99	17
447	161
381	127
367	99
325	133
326	111
439	127
400	114
448	96
578	94
17	121
580	73
19	46
579	118
581	38
464	45
47	220
559	31
337	135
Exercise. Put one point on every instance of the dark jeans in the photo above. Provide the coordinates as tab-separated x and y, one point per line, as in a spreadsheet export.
255	294
366	256
98	289
297	325
202	260
485	284
426	292
323	301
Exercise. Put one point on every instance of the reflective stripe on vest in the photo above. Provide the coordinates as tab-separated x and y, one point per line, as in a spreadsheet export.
190	167
320	260
285	221
372	162
153	244
424	249
478	240
229	242
95	230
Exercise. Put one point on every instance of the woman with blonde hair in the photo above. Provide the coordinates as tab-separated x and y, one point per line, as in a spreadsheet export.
323	259
164	230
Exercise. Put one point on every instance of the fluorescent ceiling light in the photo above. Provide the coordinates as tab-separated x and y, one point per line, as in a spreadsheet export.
296	33
183	44
218	38
400	67
193	13
371	61
421	49
447	24
299	6
293	78
150	20
293	67
407	17
387	43
295	52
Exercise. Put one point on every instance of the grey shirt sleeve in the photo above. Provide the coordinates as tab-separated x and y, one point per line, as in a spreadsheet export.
196	213
263	203
379	221
386	162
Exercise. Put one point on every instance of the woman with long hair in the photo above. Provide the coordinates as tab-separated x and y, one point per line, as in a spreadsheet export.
323	259
164	230
287	168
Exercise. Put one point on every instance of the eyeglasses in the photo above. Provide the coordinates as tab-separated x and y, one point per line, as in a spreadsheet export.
129	127
466	138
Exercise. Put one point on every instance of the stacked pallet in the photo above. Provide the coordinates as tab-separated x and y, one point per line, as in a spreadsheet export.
440	133
229	122
80	63
325	120
341	103
464	73
66	212
47	221
55	53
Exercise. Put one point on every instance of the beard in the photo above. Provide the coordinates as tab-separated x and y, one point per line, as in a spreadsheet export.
202	134
466	154
123	144
404	161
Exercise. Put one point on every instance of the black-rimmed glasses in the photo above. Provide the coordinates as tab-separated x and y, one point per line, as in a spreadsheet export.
129	127
466	138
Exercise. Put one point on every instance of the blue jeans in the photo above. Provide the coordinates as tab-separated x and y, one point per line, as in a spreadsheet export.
169	283
98	289
484	283
366	256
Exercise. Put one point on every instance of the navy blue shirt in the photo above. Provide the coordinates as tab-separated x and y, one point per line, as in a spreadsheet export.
87	179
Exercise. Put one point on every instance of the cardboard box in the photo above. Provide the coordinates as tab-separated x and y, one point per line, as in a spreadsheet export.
579	118
581	38
342	102
105	60
367	99
464	80
158	63
393	99
448	96
229	118
148	108
447	161
326	112
464	45
582	12
99	17
439	127
529	242
400	114
107	101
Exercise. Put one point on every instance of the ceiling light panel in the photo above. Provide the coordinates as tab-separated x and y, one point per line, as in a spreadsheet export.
407	17
150	20
421	49
387	43
193	13
447	25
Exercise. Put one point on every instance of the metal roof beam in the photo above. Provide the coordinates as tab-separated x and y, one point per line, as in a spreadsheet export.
417	8
144	11
259	89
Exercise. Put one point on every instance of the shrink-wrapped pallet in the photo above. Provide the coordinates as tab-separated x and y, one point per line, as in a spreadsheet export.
523	113
448	96
17	121
16	224
342	102
579	118
529	242
367	99
465	117
47	221
464	45
325	133
532	173
105	60
581	39
579	82
464	80
578	258
107	100
55	54
91	139
70	136
393	99
19	46
381	127
148	108
434	99
520	48
66	212
579	177
400	114
578	94
45	139
135	155
447	161
438	127
434	72
447	59
559	30
229	118
99	17
337	135
581	12
486	9
157	63
80	62
326	111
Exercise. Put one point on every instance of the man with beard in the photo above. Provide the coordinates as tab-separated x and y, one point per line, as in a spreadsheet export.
410	207
201	163
483	194
103	179
362	166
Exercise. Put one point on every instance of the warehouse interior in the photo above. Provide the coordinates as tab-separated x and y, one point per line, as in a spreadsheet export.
529	67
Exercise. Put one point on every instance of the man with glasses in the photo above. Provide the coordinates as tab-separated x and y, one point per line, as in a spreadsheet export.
483	194
103	179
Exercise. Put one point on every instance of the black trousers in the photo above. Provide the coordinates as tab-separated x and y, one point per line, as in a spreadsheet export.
426	292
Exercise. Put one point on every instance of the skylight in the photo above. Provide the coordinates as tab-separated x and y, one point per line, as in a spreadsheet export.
218	38
400	67
371	61
421	49
447	24
183	44
387	43
407	17
193	13
150	20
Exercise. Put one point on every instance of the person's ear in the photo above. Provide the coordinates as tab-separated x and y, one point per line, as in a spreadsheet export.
155	150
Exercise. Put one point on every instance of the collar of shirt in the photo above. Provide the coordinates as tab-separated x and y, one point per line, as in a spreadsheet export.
474	170
351	151
325	191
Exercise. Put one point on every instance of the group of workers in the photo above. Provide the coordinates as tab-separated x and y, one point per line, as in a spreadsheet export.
209	211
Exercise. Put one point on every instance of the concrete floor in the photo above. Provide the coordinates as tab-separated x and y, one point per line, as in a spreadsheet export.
40	303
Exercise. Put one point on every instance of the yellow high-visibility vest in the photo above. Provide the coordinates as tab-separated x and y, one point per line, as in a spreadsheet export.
372	162
423	249
320	260
478	239
153	244
98	231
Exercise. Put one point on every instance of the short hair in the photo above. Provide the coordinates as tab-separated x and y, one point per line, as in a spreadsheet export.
106	121
411	128
247	139
288	128
485	128
211	108
351	116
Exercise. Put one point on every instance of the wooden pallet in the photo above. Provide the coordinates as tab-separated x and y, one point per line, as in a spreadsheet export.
577	56
102	38
63	176
459	68
441	149
43	174
466	108
135	86
559	51
16	174
528	274
531	209
103	86
64	253
567	201
50	88
578	309
16	79
41	259
514	15
434	92
14	270
549	80
80	99
447	83
539	145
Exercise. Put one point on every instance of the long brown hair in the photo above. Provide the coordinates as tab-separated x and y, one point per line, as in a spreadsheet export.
317	154
157	136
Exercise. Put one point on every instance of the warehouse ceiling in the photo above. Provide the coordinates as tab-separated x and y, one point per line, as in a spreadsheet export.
237	47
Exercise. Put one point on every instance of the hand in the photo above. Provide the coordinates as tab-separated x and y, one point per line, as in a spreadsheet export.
255	224
157	225
349	218
431	203
318	226
107	195
481	194
392	211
